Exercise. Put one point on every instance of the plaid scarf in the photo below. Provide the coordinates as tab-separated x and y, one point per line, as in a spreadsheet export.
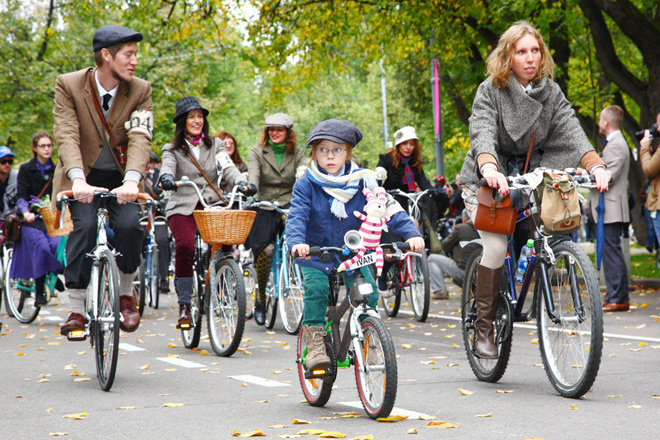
195	140
408	176
343	187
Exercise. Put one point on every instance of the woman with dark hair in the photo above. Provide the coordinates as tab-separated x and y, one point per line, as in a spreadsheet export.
231	146
36	253
191	149
272	167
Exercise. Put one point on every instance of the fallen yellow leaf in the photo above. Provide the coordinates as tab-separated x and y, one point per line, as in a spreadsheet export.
426	417
465	392
635	406
170	345
203	353
78	416
615	395
278	426
145	367
82	379
300	422
311	431
573	406
277	372
428	362
20	353
534	341
58	434
50	410
406	345
362	437
440	425
255	433
127	407
332	434
172	355
484	415
412	431
392	419
172	405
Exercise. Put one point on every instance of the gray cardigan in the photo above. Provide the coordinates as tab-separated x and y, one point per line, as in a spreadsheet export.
503	121
178	164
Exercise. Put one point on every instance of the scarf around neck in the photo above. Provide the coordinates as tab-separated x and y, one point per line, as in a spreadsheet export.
343	187
278	149
195	140
408	176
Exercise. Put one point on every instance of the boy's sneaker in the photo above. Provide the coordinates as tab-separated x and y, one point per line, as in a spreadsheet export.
383	289
317	358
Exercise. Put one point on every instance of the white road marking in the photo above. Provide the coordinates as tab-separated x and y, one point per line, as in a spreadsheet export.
129	347
54	318
412	415
44	312
533	327
260	381
181	362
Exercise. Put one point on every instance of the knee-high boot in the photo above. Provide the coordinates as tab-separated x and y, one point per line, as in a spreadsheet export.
487	293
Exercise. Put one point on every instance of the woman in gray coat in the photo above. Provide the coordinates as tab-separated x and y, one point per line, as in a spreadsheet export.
191	147
519	103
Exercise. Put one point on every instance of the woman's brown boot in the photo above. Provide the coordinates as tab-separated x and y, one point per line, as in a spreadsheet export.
487	294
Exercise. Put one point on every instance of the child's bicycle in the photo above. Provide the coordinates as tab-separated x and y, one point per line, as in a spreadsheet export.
219	292
366	344
566	305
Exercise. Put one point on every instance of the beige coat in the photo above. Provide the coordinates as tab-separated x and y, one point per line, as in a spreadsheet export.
274	183
616	156
651	166
78	129
178	164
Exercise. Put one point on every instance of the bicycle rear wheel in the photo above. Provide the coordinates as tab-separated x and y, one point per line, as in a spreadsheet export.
271	303
420	287
376	369
226	311
251	289
291	296
191	336
19	296
316	390
106	324
486	370
572	346
391	304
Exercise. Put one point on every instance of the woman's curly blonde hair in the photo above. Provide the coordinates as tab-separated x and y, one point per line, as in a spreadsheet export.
498	64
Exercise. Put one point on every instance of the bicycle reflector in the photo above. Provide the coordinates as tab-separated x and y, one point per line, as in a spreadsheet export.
76	335
318	372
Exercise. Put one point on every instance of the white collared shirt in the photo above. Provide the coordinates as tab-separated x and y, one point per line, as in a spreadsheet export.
103	91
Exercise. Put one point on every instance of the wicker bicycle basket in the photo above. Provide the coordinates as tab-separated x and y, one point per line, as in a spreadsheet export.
49	220
227	226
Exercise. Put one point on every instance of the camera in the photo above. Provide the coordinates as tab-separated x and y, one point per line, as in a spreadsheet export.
653	131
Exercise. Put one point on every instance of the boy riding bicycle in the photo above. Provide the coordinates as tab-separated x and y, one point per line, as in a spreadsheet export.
322	208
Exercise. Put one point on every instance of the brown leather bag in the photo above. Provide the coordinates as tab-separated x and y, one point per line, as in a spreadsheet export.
493	216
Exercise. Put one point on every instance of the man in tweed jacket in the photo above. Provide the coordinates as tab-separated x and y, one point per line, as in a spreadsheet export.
88	162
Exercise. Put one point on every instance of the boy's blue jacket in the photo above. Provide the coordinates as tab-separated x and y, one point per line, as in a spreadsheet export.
310	220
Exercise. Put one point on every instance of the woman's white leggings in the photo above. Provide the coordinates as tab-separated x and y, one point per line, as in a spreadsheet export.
495	246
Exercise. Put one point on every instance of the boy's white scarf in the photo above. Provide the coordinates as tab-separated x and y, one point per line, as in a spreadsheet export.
341	188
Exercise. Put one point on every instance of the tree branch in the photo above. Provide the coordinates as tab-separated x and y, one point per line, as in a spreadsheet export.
49	20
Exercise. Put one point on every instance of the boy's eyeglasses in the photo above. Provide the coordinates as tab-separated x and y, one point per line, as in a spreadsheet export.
335	151
6	161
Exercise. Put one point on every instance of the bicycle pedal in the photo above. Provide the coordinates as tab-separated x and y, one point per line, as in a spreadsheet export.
184	326
76	335
318	373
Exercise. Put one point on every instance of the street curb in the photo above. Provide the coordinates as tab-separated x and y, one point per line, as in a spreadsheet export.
646	283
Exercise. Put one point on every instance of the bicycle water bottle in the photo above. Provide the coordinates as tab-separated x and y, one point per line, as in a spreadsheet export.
523	261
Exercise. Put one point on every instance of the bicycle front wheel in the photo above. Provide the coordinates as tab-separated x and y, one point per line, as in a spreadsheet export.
571	344
420	287
376	369
106	323
486	370
226	311
20	296
392	303
316	390
291	296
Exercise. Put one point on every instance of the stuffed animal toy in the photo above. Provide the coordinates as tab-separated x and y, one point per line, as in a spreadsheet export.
372	226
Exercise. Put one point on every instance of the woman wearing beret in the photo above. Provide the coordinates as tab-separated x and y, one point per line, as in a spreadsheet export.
272	167
36	253
191	147
519	103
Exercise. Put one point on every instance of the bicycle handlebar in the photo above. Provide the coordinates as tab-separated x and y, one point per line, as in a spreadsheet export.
67	196
319	251
185	181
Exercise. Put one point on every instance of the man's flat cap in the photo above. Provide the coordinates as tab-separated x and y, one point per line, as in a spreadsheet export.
336	130
111	34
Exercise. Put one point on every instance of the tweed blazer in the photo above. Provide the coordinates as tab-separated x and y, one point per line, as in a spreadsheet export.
177	163
78	129
616	156
651	166
503	121
274	183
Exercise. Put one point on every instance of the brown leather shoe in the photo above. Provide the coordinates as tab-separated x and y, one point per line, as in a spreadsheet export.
129	311
614	307
75	321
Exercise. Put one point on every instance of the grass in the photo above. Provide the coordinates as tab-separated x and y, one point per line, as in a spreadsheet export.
641	265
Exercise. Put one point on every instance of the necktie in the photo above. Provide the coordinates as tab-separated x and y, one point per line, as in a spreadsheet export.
106	101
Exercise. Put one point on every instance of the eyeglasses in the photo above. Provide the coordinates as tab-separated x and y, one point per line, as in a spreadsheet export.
7	161
44	146
335	151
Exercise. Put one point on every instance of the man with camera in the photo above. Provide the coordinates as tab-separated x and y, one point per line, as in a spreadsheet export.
648	141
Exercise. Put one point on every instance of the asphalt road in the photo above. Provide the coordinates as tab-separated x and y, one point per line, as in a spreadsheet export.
46	379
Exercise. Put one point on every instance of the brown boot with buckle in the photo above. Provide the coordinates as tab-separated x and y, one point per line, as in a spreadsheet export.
487	295
75	322
128	310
